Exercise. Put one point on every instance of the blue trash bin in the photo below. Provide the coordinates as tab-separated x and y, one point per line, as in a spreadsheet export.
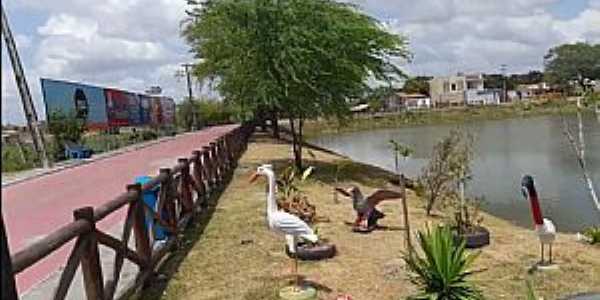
151	199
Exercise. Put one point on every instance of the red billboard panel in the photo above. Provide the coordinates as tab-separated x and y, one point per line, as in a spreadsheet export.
117	107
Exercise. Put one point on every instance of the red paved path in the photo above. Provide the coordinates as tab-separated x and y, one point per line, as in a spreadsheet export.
35	207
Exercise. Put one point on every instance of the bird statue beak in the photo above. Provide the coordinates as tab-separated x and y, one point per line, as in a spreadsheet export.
525	193
253	177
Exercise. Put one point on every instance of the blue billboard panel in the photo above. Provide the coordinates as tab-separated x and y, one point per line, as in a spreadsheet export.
83	101
135	118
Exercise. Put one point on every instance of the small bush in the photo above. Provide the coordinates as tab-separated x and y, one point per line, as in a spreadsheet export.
13	160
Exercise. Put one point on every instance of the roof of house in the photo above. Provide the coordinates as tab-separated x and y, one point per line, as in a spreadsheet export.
359	108
414	95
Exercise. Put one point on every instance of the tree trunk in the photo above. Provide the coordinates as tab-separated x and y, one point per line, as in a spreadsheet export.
275	124
297	142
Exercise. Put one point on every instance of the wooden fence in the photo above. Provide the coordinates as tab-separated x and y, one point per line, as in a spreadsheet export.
183	192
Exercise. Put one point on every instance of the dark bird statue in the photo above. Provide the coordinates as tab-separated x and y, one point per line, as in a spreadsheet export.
367	214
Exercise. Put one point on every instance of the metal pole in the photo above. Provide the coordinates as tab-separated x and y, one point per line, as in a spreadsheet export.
504	93
28	108
190	95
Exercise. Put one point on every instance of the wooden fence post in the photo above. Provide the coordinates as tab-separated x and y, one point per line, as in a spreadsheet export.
208	167
166	199
140	231
197	175
90	261
9	290
223	156
184	187
218	167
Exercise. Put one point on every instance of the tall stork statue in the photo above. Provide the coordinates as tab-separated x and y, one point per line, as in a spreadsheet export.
292	227
544	228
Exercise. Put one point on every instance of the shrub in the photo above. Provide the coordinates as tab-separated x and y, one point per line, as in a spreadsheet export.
65	128
14	160
291	197
449	163
442	272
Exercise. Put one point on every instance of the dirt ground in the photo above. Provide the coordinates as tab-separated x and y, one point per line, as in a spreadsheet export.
231	254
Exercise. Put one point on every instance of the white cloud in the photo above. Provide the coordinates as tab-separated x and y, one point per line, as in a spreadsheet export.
128	44
133	44
448	36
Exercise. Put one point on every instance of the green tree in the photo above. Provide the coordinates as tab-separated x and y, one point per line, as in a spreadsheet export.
65	127
417	85
572	62
302	59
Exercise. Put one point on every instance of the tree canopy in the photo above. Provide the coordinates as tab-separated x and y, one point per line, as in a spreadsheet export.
572	62
417	85
301	58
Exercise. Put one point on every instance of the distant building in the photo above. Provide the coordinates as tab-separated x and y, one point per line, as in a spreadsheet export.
529	91
404	101
483	97
596	86
454	90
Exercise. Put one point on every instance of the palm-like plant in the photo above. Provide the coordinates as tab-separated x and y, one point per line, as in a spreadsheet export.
442	272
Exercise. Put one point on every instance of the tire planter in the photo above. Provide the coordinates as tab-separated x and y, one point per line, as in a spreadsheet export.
478	238
298	293
307	252
586	296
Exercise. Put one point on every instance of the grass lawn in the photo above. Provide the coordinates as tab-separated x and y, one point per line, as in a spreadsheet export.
233	255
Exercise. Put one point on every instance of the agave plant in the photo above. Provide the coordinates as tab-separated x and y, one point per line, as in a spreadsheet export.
442	272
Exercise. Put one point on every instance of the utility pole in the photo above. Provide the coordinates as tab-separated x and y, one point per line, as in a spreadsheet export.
190	95
504	92
28	108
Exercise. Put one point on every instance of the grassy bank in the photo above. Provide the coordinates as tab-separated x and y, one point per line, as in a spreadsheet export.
233	255
445	116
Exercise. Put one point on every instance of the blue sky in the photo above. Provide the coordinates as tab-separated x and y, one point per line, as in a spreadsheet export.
133	44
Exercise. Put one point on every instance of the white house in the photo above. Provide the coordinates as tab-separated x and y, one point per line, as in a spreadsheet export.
483	97
401	100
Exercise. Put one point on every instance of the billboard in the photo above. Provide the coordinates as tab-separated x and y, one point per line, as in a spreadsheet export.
168	110
117	108
83	101
145	109
156	111
103	108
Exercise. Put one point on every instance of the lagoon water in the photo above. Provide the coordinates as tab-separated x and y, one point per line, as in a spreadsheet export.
505	150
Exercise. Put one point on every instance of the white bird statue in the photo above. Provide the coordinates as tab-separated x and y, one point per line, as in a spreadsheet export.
545	229
281	222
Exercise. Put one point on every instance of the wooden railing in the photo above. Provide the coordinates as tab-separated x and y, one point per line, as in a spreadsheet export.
183	192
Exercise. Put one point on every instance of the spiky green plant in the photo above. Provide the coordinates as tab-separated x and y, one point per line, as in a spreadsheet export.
530	291
442	272
593	234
